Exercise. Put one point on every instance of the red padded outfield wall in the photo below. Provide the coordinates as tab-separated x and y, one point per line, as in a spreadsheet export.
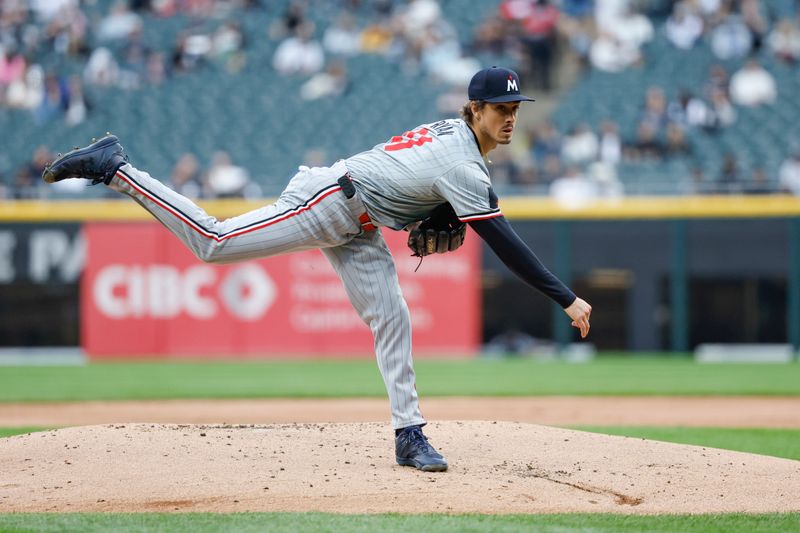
143	294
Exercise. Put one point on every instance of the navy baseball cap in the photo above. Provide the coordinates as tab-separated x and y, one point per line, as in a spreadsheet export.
496	85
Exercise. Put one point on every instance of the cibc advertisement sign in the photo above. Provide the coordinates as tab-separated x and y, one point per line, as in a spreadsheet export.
144	294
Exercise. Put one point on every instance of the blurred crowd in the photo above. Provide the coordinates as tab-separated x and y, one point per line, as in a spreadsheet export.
51	49
581	160
586	157
55	53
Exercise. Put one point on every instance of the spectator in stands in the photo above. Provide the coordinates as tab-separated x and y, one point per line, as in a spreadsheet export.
632	28
578	32
195	50
784	41
710	11
53	103
696	183
119	23
187	177
605	181
545	141
647	146
551	168
290	21
526	174
688	111
77	105
573	190
27	178
227	46
101	69
377	37
729	175
607	12
610	149
580	146
441	56
503	169
342	37
416	18
676	144
27	92
684	26
789	174
755	20
47	10
718	78
450	102
722	113
68	32
731	39
609	54
538	34
753	86
12	67
759	183
491	37
226	180
157	71
181	60
299	54
329	83
621	33
655	109
134	60
577	9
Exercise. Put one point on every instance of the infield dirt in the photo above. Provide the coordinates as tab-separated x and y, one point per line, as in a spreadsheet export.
496	467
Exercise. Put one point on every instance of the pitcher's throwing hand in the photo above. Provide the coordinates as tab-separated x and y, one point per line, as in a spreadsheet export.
579	312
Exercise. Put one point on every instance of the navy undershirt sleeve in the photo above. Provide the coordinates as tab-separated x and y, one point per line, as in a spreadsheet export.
520	259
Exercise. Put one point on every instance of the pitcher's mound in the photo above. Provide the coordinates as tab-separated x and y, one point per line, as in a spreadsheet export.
350	468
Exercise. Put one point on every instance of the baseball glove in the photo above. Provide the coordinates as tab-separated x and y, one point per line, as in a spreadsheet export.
439	233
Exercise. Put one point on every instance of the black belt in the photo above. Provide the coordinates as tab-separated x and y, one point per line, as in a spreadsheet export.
349	191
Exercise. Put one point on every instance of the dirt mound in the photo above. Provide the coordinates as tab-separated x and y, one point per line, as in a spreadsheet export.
496	467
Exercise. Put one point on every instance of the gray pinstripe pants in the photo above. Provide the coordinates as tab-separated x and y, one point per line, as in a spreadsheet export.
312	212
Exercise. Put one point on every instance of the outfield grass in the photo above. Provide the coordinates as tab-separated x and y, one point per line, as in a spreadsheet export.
7	432
776	442
322	522
360	378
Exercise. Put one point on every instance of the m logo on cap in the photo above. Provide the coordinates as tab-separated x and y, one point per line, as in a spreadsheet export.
496	85
512	84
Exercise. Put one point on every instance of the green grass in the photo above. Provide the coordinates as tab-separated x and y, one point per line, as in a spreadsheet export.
320	522
7	432
776	442
349	378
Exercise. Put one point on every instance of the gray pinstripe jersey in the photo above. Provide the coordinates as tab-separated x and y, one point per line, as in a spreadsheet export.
403	179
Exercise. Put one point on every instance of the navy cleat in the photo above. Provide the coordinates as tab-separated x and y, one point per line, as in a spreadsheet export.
412	449
98	162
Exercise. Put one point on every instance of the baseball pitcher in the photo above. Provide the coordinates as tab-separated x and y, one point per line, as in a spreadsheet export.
431	181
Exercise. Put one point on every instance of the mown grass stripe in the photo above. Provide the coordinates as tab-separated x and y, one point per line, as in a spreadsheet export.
321	522
608	376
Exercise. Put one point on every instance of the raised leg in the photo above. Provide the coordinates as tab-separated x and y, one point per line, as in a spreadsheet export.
311	213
